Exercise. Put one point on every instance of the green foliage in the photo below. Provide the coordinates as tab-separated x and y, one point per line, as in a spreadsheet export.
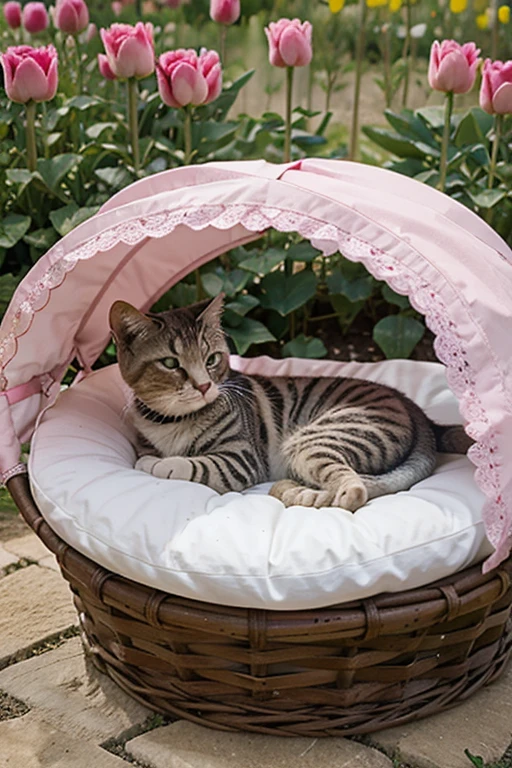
416	141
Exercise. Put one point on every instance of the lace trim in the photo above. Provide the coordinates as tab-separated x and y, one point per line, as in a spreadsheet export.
329	239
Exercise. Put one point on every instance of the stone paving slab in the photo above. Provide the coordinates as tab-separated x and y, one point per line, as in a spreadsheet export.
482	724
186	745
35	603
67	691
28	546
6	558
29	742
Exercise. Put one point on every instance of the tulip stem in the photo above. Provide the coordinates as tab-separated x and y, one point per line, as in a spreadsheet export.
288	117
187	136
495	147
406	52
448	109
79	77
30	133
223	34
354	131
133	94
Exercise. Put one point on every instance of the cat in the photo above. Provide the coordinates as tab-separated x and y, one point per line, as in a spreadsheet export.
322	441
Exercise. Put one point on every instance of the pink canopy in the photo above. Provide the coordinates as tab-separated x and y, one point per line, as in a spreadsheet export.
455	269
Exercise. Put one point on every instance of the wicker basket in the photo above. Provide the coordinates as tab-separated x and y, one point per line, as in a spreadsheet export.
346	669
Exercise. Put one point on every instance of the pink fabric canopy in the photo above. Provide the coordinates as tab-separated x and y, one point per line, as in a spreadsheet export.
455	269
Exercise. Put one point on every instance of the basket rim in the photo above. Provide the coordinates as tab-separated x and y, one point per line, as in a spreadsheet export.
439	601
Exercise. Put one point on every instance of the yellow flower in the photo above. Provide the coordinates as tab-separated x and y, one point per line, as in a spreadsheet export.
376	3
395	5
335	6
482	21
457	6
504	14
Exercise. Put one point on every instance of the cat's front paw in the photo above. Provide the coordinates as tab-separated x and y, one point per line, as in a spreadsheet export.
170	468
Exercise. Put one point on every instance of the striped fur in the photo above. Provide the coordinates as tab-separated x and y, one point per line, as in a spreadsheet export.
324	442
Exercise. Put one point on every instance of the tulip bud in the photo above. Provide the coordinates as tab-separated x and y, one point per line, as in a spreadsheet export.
71	16
496	88
225	11
185	78
117	7
35	17
173	3
30	74
452	67
289	43
92	31
129	50
104	67
12	14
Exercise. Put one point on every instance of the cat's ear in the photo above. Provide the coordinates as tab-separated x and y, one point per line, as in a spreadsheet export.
127	323
212	311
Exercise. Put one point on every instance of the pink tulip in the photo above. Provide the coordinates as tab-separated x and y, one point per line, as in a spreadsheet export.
117	7
173	3
225	11
129	50
104	67
289	43
496	89
35	17
185	78
30	73
71	16
12	14
452	67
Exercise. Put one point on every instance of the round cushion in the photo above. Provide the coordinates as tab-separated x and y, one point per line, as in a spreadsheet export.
247	549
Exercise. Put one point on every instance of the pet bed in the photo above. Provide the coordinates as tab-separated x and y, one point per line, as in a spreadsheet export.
236	659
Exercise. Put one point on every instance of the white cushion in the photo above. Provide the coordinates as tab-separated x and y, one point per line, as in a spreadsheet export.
247	549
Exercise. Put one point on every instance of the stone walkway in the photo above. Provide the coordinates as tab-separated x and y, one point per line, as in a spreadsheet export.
56	711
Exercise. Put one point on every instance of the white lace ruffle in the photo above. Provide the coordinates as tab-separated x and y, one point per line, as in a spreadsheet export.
329	239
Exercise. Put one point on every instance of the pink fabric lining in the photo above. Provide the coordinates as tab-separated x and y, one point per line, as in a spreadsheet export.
397	261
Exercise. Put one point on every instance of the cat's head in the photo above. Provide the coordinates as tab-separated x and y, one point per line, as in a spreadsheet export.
175	360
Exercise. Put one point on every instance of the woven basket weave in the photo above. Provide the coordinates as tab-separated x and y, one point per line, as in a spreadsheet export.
347	669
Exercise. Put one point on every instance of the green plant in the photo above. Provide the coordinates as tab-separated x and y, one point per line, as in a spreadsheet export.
415	139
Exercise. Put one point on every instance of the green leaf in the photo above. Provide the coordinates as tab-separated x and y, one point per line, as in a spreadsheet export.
212	283
399	146
54	169
304	346
284	293
397	335
12	228
358	289
242	304
409	125
22	177
468	131
302	252
394	298
43	239
487	198
117	178
346	310
96	130
265	262
432	116
249	332
83	102
8	284
70	216
477	761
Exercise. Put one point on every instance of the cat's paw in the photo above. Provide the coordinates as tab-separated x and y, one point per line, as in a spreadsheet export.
292	494
170	468
350	495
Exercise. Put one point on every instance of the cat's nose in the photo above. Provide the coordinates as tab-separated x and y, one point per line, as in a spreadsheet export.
203	388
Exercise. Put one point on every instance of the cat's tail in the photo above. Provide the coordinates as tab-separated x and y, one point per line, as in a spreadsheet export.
451	438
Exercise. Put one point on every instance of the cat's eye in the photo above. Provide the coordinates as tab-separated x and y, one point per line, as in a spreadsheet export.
213	359
170	362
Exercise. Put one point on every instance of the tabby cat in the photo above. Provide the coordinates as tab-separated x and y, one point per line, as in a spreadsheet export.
323	441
